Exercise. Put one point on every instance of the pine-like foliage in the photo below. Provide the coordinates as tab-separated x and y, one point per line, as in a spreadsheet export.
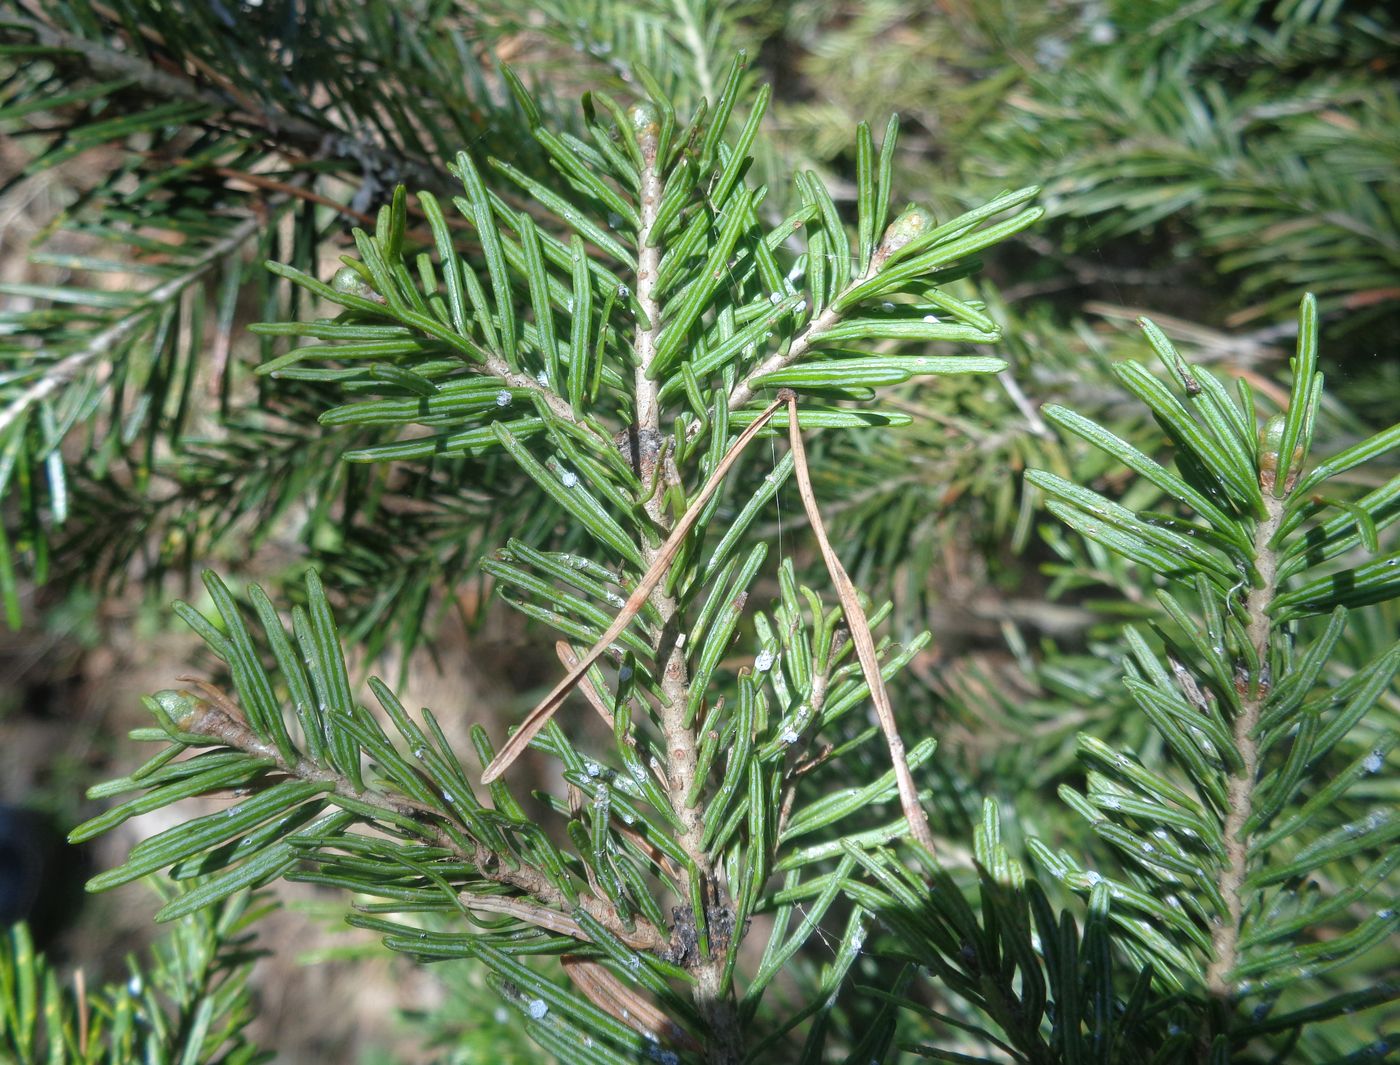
552	355
1203	164
189	1002
136	441
615	344
1256	141
1242	850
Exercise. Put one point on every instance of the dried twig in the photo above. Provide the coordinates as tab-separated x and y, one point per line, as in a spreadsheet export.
865	643
614	997
80	993
569	658
542	917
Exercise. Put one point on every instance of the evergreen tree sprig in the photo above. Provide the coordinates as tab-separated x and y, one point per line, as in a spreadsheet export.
189	1001
611	343
1220	851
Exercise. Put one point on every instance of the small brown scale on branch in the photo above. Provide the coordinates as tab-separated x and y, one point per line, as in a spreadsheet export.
684	948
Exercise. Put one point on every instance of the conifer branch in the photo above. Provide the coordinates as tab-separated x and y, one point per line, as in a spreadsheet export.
659	559
647	391
714	1000
557	404
107	62
70	366
749	717
694	37
744	390
221	720
801	344
1240	786
278	127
